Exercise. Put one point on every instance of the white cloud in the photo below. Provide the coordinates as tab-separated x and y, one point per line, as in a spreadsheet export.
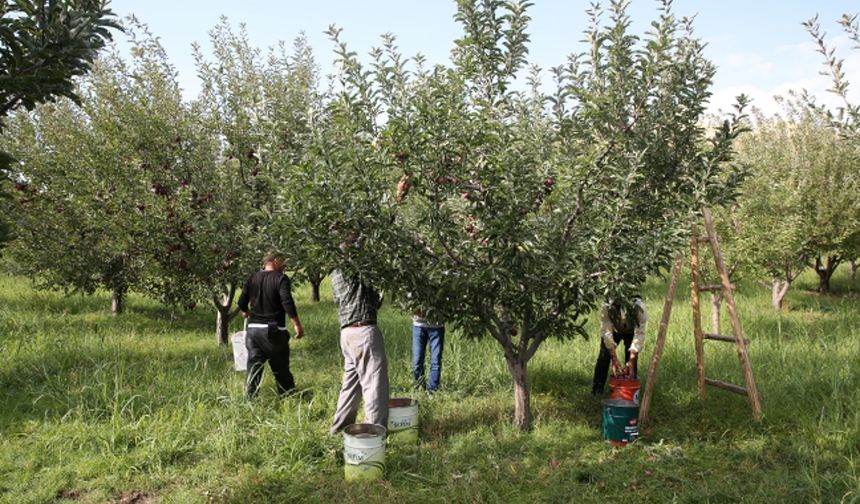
764	99
746	62
793	68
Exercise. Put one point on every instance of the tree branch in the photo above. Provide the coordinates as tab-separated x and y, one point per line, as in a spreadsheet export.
500	331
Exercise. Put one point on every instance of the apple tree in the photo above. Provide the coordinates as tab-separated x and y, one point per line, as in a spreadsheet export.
89	179
770	238
524	209
43	46
257	111
844	118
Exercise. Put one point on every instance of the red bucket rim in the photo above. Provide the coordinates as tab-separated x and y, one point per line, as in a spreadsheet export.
623	379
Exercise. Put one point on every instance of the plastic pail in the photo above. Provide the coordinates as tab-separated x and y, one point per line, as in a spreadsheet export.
364	452
240	353
624	388
620	421
403	421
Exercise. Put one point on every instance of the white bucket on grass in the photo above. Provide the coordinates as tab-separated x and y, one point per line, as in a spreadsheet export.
240	352
403	421
364	452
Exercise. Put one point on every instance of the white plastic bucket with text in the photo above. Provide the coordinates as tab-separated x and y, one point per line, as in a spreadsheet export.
403	421
364	452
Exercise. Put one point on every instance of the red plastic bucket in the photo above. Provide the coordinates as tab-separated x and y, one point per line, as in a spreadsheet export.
624	388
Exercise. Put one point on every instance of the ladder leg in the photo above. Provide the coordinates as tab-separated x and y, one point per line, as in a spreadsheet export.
697	313
743	355
645	405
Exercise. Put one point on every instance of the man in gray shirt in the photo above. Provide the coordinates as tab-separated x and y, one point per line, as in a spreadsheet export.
365	366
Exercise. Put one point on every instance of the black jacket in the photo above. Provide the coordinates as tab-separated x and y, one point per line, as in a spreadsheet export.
269	295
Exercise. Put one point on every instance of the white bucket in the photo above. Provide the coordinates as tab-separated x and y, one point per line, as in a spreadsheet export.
240	352
403	421
364	452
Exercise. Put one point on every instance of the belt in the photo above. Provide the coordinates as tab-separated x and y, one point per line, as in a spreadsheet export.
360	323
265	326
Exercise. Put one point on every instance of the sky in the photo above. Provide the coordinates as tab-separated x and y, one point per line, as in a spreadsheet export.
759	46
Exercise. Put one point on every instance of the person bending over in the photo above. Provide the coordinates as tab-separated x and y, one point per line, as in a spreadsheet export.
620	320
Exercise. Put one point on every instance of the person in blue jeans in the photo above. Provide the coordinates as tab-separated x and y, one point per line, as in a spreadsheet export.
427	332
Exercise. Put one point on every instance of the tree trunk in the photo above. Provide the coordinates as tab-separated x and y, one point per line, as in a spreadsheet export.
522	403
117	300
716	305
315	279
825	271
779	288
224	315
222	326
853	265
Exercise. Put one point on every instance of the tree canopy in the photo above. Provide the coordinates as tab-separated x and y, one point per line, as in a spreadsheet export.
44	44
524	208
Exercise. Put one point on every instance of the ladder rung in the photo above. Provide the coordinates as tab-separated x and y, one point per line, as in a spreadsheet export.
720	337
711	287
737	389
703	239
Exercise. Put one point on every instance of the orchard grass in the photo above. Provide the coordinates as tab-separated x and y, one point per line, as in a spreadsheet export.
98	408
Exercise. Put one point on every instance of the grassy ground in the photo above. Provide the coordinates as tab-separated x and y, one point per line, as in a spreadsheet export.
142	408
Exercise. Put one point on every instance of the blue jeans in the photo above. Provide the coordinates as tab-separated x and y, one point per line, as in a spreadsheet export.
420	337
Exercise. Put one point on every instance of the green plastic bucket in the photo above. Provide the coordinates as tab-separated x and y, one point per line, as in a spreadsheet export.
403	421
364	452
620	421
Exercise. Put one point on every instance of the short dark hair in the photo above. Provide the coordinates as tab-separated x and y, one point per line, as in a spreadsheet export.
272	257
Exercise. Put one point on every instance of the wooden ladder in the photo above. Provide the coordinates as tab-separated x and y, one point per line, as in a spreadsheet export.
751	391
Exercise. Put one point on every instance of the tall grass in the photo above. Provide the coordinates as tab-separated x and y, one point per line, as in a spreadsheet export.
97	407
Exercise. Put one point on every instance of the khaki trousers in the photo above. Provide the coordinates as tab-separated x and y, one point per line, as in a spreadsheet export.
365	374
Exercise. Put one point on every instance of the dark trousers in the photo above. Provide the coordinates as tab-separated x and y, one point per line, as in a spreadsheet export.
604	359
268	345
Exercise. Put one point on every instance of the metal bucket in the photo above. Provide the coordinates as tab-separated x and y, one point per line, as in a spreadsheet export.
620	421
364	452
403	421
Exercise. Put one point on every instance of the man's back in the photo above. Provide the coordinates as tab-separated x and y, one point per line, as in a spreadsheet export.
268	292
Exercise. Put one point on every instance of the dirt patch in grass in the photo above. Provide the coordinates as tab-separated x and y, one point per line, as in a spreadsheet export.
133	498
68	495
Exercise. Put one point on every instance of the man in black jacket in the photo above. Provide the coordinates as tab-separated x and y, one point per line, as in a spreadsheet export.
268	292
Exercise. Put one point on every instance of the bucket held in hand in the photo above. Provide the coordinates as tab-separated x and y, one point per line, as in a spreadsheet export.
624	388
240	351
364	452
